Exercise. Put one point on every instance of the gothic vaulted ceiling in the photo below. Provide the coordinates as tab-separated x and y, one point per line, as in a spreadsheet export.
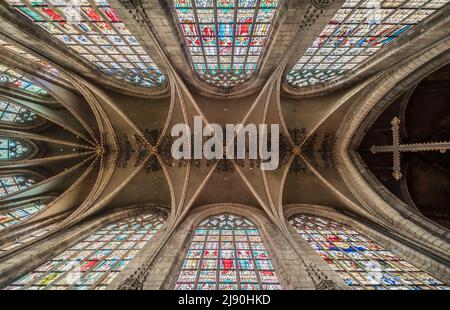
90	90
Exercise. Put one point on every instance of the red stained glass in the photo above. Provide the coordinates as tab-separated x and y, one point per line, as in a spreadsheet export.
243	30
257	41
18	84
189	30
127	231
225	41
227	264
92	14
192	41
112	15
207	31
52	14
104	26
333	238
88	265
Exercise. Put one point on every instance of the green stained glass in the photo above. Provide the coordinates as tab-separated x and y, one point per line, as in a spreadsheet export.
93	262
361	262
12	149
16	80
220	256
356	32
94	31
15	183
13	216
221	28
12	113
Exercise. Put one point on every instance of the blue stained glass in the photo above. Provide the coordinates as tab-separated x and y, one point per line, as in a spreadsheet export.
182	3
13	216
68	23
226	27
248	3
204	3
362	26
88	269
219	269
362	263
11	149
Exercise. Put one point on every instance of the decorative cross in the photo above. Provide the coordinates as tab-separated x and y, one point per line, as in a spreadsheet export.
396	148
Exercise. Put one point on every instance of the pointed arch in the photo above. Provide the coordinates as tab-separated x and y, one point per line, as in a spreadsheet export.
11	216
358	31
225	40
95	31
93	261
16	116
360	261
15	80
227	252
16	149
13	182
22	234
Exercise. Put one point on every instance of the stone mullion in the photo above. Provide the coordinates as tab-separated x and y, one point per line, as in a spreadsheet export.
61	275
368	34
258	276
253	26
202	47
122	36
422	283
218	260
106	273
216	25
297	227
235	259
330	36
347	257
235	25
71	258
197	276
85	259
153	221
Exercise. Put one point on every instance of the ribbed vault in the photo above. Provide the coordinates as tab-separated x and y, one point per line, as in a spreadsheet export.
105	145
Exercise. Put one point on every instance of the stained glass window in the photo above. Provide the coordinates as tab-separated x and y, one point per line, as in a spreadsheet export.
361	262
358	30
12	148
94	30
34	234
13	216
225	38
96	260
15	183
227	253
14	114
16	80
22	53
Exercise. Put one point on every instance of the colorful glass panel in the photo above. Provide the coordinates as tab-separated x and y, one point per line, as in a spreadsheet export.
94	30
12	149
12	113
227	252
22	53
361	262
16	80
225	39
14	216
96	260
34	234
358	30
15	183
